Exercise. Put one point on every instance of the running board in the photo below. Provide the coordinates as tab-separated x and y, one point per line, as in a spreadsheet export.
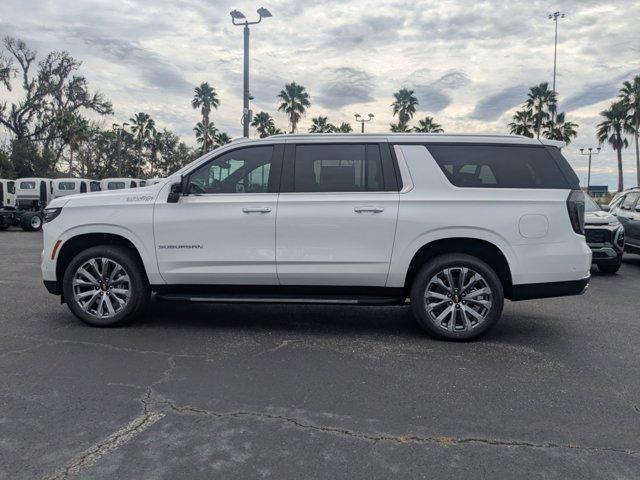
300	299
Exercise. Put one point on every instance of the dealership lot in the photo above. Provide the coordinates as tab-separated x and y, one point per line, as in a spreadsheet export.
233	391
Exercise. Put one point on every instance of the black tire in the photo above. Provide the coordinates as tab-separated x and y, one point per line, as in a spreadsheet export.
457	260
610	268
3	226
31	222
139	286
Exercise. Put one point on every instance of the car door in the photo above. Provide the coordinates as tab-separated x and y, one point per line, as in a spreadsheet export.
222	231
628	212
337	214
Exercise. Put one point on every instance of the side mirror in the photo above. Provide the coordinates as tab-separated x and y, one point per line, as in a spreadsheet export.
637	208
175	193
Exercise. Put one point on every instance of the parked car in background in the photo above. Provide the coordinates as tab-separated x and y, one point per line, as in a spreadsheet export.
456	223
7	193
604	235
120	183
71	186
32	197
626	207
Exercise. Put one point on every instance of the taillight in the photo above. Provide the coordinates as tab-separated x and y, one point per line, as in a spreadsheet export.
575	207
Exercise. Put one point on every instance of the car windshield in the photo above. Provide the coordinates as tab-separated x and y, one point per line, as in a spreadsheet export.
115	185
590	205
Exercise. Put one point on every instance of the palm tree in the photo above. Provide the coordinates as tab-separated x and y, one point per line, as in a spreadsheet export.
74	131
294	102
523	123
156	145
273	130
141	125
559	129
205	98
321	125
263	122
404	106
205	133
222	139
398	128
612	130
630	95
428	125
542	102
344	127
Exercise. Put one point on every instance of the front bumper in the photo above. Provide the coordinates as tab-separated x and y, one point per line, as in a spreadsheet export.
606	243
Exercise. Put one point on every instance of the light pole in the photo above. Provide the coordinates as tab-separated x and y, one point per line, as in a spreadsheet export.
554	16
362	120
118	131
589	152
238	19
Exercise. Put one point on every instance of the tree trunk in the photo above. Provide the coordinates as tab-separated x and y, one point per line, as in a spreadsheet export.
71	162
620	180
637	156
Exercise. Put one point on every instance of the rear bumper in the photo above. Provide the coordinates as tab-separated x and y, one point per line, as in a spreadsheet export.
530	291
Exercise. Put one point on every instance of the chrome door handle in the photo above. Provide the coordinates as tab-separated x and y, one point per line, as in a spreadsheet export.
256	209
368	209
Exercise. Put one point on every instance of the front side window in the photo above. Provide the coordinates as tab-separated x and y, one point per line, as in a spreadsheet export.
27	185
498	166
66	186
116	185
630	201
245	170
337	168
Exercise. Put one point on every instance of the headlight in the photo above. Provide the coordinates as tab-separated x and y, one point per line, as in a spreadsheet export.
51	213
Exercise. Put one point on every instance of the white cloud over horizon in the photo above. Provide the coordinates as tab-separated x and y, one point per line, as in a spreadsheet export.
470	63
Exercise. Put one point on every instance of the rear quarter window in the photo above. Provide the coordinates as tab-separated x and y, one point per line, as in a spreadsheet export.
499	166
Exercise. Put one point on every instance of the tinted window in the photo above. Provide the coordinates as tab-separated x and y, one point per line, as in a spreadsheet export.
245	170
115	185
337	168
27	185
143	183
630	201
94	186
11	187
66	185
498	166
590	205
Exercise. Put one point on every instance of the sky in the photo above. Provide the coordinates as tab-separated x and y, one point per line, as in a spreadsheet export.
469	62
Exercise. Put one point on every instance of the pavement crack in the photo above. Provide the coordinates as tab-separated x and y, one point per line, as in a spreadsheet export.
92	454
385	437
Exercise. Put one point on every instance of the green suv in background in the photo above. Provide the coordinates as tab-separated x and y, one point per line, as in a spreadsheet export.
604	235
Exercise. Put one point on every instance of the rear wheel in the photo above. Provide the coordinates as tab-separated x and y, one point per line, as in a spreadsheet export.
457	297
105	286
31	222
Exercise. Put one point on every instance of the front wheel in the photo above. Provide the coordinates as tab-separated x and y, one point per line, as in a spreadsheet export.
457	297
31	222
610	268
105	286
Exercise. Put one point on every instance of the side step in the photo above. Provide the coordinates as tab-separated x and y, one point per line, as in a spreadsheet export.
299	299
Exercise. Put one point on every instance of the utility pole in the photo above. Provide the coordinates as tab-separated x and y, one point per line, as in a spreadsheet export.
362	120
554	16
239	19
119	131
589	152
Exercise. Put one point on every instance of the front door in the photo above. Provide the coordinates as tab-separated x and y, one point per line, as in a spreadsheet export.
629	215
336	215
223	230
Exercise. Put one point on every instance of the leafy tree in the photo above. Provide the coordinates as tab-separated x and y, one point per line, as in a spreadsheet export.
523	123
294	101
205	133
321	124
344	127
428	125
542	103
612	130
74	130
404	106
273	130
559	129
630	96
399	128
222	139
263	122
205	98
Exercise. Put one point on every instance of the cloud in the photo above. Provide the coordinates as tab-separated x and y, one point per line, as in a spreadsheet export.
346	86
594	93
434	96
494	105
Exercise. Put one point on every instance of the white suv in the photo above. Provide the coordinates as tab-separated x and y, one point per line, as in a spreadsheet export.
454	223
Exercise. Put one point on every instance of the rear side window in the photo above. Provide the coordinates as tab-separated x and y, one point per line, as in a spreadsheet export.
27	185
66	185
499	166
630	201
115	185
338	168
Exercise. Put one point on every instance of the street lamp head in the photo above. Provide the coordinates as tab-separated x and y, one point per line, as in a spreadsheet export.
237	15
371	115
357	115
590	149
264	13
599	149
582	150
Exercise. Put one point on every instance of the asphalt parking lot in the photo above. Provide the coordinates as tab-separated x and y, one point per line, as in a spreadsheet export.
231	391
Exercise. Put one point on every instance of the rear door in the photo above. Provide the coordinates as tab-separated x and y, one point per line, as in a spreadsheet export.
337	214
629	216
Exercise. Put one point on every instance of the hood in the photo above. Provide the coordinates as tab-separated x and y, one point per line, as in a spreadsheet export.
599	218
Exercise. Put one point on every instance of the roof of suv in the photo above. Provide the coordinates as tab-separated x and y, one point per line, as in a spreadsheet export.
409	138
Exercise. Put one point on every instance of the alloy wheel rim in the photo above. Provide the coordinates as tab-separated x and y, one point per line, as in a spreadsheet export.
35	221
101	287
458	299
